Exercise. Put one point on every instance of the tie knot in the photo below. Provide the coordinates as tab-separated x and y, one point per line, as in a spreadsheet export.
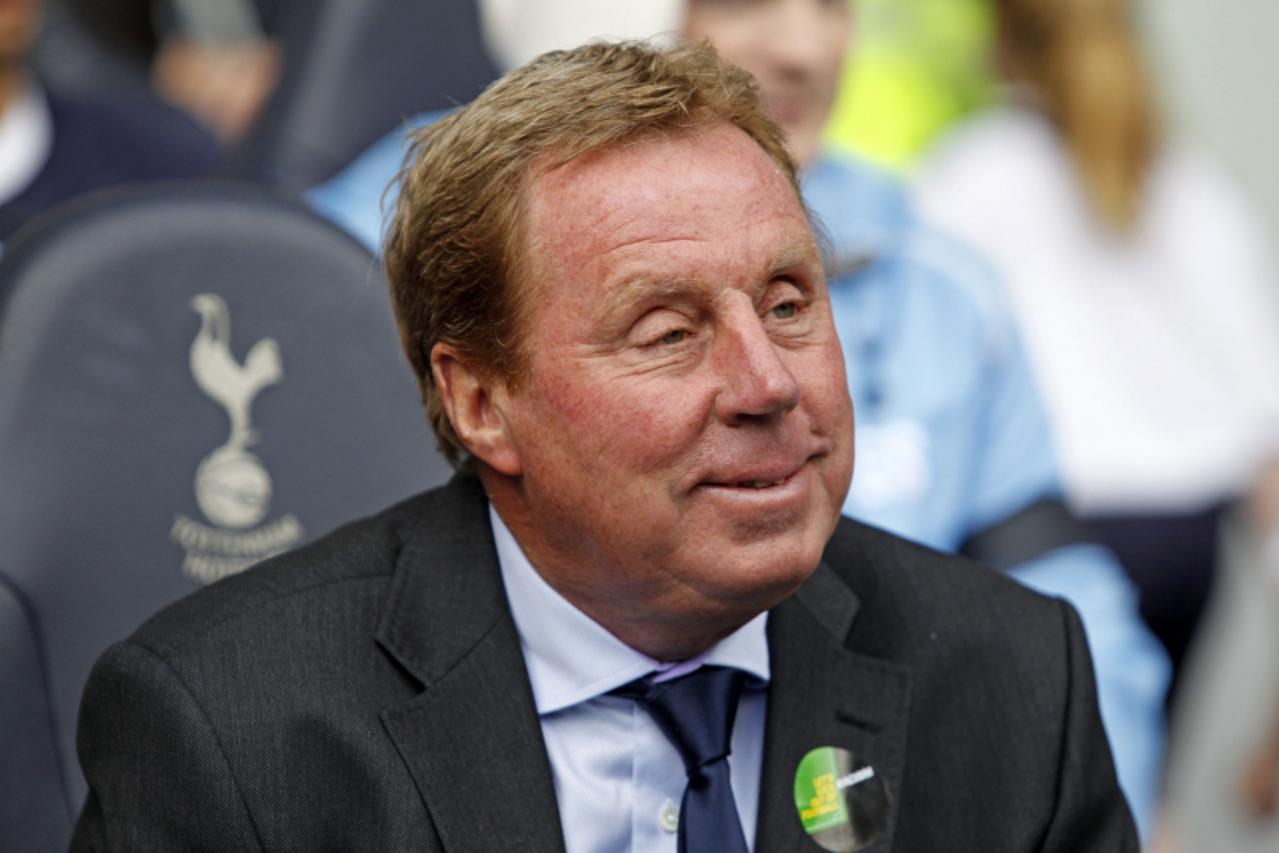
695	712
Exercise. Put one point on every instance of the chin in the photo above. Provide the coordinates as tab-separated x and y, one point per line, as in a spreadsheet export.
768	575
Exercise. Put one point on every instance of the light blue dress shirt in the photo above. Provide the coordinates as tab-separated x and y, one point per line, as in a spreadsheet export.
952	436
618	780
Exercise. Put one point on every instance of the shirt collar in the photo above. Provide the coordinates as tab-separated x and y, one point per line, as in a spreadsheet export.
571	658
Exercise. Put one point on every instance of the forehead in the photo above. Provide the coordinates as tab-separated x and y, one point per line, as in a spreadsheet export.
668	198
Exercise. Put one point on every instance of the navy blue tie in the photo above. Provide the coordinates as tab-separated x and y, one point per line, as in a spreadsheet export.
696	714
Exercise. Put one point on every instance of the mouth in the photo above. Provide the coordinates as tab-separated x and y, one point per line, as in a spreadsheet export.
759	497
760	479
758	484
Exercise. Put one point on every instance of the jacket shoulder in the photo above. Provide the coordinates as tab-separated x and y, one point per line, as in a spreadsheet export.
910	593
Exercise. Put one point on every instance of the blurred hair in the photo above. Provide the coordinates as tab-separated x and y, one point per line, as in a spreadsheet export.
454	251
1082	58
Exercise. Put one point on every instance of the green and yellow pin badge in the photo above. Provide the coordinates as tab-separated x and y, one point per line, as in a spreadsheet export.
841	801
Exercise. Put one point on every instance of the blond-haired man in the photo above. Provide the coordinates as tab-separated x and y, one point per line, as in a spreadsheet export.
635	620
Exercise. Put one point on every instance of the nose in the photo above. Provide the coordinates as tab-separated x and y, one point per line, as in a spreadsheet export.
756	385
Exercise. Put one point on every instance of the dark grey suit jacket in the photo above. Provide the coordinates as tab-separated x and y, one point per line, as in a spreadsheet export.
368	693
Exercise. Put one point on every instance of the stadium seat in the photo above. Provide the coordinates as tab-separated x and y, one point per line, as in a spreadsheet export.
192	378
352	71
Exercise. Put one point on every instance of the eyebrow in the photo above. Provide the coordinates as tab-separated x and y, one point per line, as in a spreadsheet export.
798	254
648	288
802	253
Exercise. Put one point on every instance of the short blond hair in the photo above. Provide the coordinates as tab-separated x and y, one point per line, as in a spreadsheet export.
453	252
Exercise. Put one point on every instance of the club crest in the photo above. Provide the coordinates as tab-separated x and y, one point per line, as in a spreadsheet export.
232	485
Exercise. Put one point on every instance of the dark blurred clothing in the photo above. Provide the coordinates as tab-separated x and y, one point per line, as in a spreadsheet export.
1171	557
104	141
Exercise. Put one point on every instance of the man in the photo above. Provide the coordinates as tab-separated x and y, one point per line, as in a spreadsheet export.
639	592
954	445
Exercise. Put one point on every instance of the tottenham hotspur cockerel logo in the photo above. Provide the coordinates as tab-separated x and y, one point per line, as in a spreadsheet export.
232	486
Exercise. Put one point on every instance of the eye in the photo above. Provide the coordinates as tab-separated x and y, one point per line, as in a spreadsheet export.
785	311
663	327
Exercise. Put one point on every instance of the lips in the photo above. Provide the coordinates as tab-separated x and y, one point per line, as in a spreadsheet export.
766	468
760	484
754	477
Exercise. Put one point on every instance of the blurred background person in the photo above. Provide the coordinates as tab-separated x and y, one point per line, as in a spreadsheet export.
292	90
953	446
919	66
55	144
1143	287
217	61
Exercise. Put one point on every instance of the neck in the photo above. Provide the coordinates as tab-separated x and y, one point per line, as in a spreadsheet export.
669	640
666	623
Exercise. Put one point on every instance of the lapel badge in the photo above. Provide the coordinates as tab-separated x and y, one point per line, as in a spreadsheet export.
841	800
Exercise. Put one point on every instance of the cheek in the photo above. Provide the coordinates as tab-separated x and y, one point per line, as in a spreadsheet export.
826	387
620	424
835	417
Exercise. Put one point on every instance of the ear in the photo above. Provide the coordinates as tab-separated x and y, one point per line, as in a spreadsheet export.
471	398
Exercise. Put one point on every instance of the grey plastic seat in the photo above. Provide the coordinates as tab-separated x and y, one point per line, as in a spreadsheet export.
353	70
191	378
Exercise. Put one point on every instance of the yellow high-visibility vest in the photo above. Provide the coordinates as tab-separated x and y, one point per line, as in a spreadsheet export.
915	66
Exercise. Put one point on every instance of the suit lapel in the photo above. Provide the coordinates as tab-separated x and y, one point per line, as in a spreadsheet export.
471	739
823	693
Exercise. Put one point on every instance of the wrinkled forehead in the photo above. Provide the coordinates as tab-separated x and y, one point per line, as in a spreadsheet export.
695	179
707	187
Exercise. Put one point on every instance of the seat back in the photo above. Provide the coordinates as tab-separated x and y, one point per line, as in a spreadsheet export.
352	72
192	378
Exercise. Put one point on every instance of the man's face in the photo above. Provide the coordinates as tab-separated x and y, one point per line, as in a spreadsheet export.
794	48
684	432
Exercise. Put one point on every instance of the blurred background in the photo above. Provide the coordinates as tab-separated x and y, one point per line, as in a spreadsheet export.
922	64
